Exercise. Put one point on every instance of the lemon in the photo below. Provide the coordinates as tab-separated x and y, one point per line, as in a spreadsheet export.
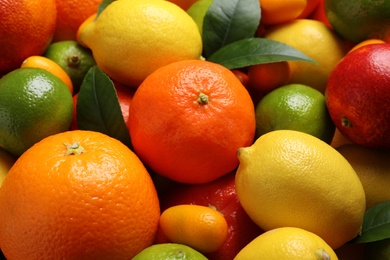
290	178
33	105
6	162
287	243
373	168
318	42
132	38
169	251
295	107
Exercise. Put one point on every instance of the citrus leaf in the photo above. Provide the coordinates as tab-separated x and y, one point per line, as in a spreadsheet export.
103	5
376	224
254	51
98	108
229	21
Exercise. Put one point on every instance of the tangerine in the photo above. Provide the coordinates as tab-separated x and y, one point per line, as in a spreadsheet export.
26	29
70	15
207	115
77	195
358	102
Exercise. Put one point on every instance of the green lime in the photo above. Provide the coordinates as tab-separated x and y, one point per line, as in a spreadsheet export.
198	10
75	59
295	107
169	251
378	250
359	20
33	105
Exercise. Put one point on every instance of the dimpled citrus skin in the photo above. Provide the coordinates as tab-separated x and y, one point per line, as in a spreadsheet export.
290	178
287	243
77	195
132	38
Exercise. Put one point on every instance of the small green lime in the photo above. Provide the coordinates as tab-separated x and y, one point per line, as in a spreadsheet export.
75	59
169	251
198	10
295	107
359	20
378	250
33	105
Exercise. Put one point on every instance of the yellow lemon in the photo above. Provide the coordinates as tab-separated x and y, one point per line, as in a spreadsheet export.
318	42
132	38
6	162
373	168
287	243
291	178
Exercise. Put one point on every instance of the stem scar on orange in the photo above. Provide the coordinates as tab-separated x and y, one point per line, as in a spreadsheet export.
188	118
77	195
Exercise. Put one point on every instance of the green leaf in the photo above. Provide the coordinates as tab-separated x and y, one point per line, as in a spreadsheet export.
103	5
254	51
376	224
229	21
98	108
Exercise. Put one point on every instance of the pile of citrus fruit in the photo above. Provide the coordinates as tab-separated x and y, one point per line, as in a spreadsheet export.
194	129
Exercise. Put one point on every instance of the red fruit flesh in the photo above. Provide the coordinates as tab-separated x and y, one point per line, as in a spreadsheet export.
358	95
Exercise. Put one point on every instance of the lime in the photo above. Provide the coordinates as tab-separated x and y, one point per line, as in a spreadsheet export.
198	10
295	107
378	250
359	20
169	251
75	59
33	104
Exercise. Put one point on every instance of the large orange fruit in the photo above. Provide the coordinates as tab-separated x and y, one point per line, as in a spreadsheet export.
77	195
188	118
358	94
70	15
26	29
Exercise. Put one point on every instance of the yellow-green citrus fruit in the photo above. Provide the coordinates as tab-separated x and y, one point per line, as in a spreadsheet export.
132	38
318	42
295	107
198	10
290	178
33	104
359	20
169	251
75	59
287	243
6	162
373	168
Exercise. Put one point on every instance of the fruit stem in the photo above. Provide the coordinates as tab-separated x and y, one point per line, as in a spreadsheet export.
74	61
203	99
74	149
346	122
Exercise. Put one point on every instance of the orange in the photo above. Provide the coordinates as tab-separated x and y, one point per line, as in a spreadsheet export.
366	42
200	227
77	195
311	5
70	15
188	118
49	65
269	76
26	29
358	103
280	11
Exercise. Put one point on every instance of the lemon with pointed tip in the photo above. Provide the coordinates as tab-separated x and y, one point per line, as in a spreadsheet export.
287	243
132	38
291	178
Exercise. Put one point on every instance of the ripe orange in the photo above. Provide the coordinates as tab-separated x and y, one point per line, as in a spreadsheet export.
358	102
188	118
70	15
77	195
26	29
